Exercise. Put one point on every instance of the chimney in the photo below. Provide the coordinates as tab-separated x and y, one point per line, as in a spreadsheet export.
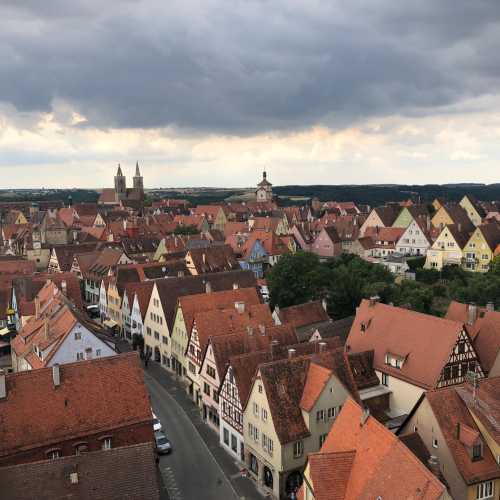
364	416
433	465
274	347
262	329
249	330
208	287
322	346
37	307
235	286
324	304
240	307
291	353
46	327
459	227
204	257
490	306
3	385
64	287
471	313
373	300
56	375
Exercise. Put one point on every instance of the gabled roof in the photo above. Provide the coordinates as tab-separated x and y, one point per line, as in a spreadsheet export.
370	462
387	214
491	234
211	259
143	291
485	331
66	253
304	314
114	474
454	407
170	289
93	396
316	380
408	334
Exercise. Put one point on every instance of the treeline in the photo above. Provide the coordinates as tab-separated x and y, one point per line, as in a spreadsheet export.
379	194
346	280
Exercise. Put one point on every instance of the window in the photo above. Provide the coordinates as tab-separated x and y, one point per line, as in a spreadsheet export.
332	412
298	449
192	368
260	388
79	356
53	454
385	379
234	443
256	409
264	414
211	371
215	396
157	336
320	415
81	448
267	444
434	443
78	335
148	330
164	339
206	389
98	353
484	490
322	439
477	452
226	437
106	443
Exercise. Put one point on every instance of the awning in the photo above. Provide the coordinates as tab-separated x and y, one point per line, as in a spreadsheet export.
110	323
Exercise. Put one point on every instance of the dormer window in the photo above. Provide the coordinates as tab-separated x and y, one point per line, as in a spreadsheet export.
363	327
477	451
394	360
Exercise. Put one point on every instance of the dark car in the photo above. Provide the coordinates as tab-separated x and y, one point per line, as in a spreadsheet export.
163	445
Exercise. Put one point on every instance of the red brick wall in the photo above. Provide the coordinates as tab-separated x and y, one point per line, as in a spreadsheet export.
122	436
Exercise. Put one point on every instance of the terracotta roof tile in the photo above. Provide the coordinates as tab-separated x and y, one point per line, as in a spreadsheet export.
94	396
317	378
304	314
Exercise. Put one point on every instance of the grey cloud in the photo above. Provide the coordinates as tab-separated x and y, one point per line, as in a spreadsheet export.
249	66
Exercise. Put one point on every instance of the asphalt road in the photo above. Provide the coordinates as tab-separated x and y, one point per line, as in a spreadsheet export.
190	471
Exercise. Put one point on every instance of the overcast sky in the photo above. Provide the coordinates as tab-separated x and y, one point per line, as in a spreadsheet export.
210	92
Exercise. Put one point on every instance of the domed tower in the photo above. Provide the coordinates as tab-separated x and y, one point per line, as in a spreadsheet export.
264	190
138	180
120	184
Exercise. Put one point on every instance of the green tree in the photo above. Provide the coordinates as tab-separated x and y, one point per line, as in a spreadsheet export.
296	279
186	230
495	265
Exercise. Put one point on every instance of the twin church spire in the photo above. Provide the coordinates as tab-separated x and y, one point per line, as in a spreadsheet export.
121	181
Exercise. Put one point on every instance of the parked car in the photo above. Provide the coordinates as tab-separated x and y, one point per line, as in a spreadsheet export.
163	445
156	423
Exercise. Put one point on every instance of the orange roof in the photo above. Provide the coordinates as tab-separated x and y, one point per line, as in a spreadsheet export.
407	334
93	396
373	461
304	314
317	377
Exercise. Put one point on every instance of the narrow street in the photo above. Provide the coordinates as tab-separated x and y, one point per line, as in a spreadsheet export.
197	468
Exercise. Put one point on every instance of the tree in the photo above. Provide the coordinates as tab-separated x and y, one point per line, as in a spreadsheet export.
296	279
495	265
186	230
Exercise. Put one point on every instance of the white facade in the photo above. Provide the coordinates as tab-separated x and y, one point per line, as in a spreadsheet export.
136	321
103	301
413	241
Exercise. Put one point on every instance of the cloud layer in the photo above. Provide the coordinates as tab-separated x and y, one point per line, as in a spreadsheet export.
266	73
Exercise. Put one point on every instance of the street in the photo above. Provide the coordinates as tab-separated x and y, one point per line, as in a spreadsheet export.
190	471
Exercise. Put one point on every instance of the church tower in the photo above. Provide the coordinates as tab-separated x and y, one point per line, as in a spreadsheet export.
120	184
138	181
264	190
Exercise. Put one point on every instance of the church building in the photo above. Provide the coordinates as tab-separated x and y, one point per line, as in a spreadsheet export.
120	194
264	190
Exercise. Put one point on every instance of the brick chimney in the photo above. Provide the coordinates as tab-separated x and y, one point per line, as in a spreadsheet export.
3	385
291	353
56	375
471	313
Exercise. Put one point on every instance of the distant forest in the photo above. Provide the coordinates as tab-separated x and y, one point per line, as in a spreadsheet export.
378	194
370	194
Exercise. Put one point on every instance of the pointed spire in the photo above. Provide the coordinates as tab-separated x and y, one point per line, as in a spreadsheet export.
264	175
119	172
137	173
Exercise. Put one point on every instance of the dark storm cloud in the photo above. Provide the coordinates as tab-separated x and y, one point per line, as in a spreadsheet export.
246	66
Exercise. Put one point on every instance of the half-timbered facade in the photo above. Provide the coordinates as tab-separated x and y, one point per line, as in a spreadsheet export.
413	352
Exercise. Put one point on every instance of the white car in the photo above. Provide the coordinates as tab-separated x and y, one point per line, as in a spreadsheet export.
156	423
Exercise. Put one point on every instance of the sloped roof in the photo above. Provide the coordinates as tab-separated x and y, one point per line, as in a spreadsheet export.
115	474
377	460
304	314
316	380
407	334
450	407
94	396
214	258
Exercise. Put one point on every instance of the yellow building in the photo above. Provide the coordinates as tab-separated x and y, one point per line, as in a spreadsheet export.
447	249
473	209
479	250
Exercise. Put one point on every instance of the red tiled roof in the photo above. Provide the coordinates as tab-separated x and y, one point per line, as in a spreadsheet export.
377	461
317	377
392	330
304	314
94	396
